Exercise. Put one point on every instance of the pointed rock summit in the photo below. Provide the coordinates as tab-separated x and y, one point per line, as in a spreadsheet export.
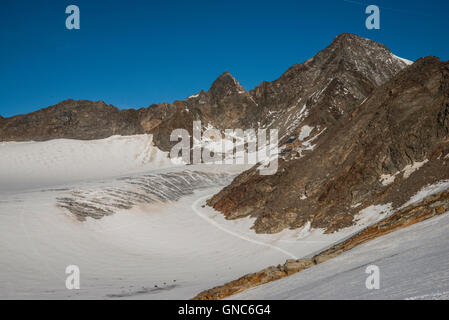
225	85
352	52
326	87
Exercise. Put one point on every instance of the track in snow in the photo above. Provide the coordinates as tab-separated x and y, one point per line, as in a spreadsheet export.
235	234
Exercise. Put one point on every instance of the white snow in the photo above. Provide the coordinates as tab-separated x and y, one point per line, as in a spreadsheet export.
126	254
373	214
387	179
307	145
413	264
305	132
409	169
297	118
171	241
122	255
407	62
157	233
427	191
27	165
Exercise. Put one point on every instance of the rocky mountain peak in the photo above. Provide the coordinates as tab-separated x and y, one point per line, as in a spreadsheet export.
350	38
351	43
225	85
350	52
321	90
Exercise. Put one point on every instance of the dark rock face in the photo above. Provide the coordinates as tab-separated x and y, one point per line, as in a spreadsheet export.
226	105
384	151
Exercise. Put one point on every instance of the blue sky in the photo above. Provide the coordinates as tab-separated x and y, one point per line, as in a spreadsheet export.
135	53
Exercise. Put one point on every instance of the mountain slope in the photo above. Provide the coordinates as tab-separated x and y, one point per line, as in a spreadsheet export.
403	258
428	204
372	157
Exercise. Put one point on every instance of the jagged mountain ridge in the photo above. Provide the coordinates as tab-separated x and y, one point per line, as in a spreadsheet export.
318	91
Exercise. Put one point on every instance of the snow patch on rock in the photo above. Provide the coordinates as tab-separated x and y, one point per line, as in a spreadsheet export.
409	169
427	191
407	62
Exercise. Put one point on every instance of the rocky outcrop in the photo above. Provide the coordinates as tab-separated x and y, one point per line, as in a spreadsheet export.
432	206
385	150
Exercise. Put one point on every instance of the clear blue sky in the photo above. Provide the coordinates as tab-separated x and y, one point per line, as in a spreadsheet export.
135	53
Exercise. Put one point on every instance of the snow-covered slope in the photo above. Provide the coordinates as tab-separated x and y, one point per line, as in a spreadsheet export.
173	244
27	165
137	227
413	264
132	221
